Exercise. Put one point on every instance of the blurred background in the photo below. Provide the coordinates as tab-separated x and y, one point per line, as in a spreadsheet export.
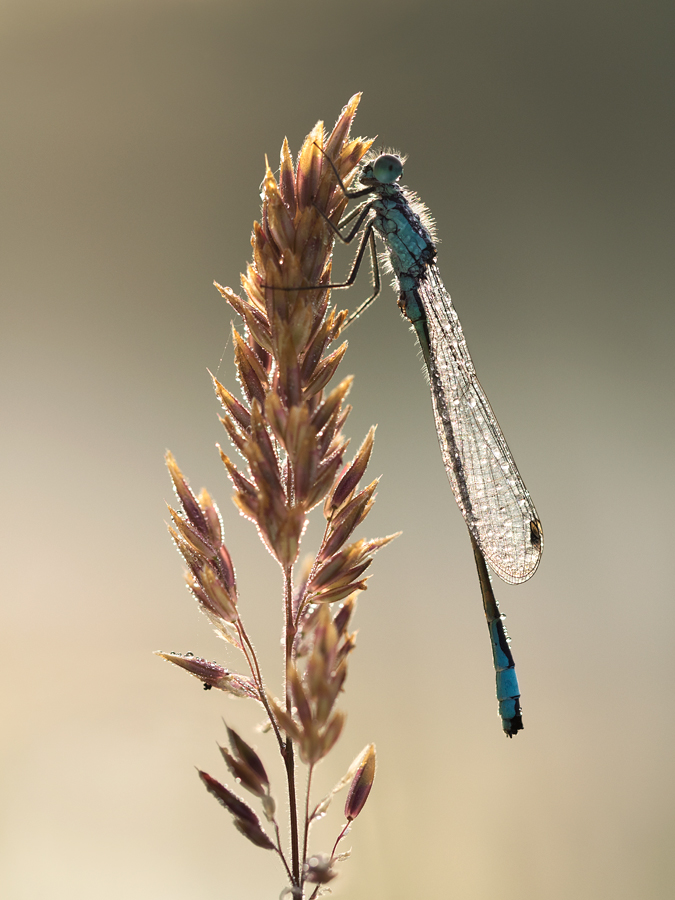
133	140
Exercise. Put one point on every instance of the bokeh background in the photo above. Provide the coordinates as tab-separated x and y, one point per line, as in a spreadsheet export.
133	140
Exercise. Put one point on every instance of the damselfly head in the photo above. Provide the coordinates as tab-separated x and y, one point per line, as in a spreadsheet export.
384	169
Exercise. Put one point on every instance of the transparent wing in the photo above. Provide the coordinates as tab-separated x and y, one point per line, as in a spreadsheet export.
485	481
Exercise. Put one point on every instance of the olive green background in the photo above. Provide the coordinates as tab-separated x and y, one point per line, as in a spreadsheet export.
540	134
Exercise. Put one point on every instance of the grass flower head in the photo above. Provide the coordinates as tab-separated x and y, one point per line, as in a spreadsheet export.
286	428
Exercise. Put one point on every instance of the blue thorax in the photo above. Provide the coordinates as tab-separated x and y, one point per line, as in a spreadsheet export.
410	245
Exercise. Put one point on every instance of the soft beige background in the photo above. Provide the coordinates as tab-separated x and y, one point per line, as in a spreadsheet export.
133	141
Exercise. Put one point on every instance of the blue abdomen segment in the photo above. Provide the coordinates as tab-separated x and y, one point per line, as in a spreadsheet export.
508	692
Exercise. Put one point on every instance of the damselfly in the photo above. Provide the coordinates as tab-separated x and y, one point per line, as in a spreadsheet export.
503	523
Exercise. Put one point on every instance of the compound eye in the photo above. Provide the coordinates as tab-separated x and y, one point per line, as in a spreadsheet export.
387	168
